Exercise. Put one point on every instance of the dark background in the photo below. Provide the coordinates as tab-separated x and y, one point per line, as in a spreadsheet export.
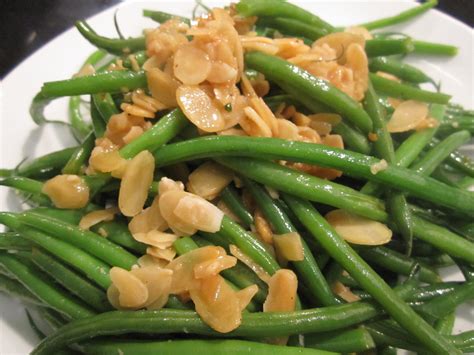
26	25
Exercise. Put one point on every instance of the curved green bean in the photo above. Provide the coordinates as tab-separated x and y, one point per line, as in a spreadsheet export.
166	321
366	277
161	17
401	70
45	290
198	347
114	46
16	290
52	161
350	341
407	92
71	281
80	156
429	48
233	202
13	241
383	47
307	88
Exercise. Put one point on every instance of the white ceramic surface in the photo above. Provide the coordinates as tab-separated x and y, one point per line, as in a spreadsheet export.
61	57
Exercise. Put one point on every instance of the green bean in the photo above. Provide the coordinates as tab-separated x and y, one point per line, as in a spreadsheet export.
457	159
445	304
316	189
406	92
119	234
401	70
429	48
455	124
39	333
114	46
307	269
307	88
445	325
281	9
93	268
28	186
71	281
396	202
385	335
233	202
211	347
248	244
175	303
351	163
167	321
383	47
366	277
401	17
396	262
98	123
428	163
13	241
163	131
160	16
353	139
292	27
55	160
139	56
80	156
16	290
349	341
83	239
111	82
410	149
80	128
105	105
47	292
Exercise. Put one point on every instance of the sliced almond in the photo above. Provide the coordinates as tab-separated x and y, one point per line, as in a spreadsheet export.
95	217
213	267
158	282
199	108
209	179
199	213
136	183
288	246
254	125
359	230
67	191
259	271
407	116
282	288
191	65
132	291
162	86
340	41
149	219
178	223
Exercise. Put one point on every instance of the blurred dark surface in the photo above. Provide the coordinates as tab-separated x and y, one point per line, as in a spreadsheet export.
26	25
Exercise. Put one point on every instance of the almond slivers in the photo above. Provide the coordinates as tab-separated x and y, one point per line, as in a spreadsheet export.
407	116
209	179
67	191
288	246
359	230
95	217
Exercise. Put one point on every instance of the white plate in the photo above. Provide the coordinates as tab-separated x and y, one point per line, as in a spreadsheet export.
60	58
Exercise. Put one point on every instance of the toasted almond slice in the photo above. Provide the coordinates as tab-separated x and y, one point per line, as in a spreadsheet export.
260	271
323	128
217	304
167	184
132	291
407	116
113	295
344	292
331	118
245	296
199	213
209	179
136	110
199	108
288	246
213	267
308	134
135	183
168	202
67	191
254	125
356	59
388	76
158	282
333	140
148	219
156	239
106	161
359	230
148	260
162	86
287	130
183	267
282	288
265	113
262	227
191	65
378	167
165	254
339	41
233	132
95	217
221	73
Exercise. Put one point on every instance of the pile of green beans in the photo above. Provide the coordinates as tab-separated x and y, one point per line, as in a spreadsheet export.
400	300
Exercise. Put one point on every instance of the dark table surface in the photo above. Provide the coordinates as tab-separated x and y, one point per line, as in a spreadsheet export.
26	25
